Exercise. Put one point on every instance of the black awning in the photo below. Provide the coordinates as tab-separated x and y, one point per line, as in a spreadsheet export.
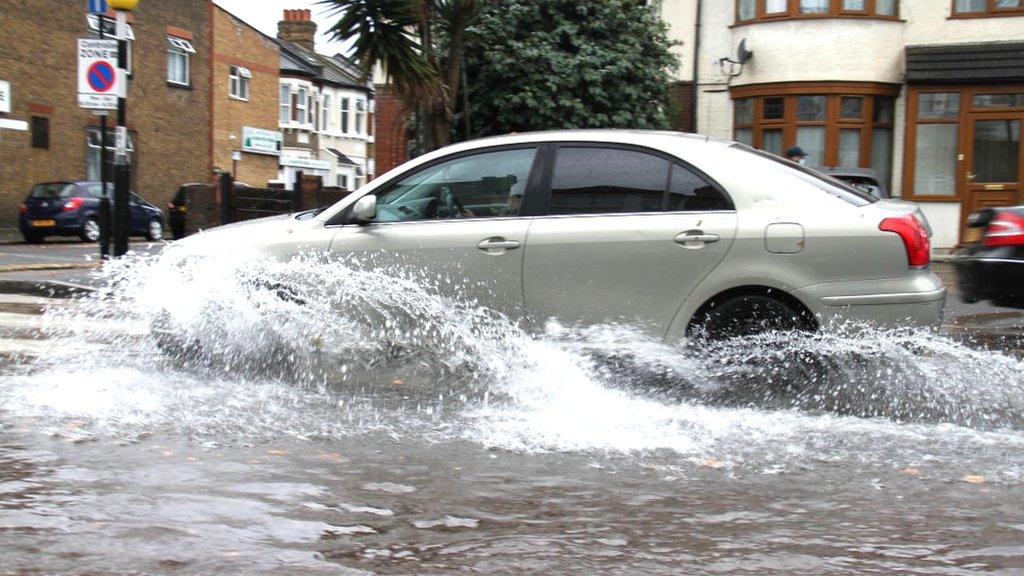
969	63
342	159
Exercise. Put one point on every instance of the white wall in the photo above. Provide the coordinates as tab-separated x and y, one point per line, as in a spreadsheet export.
681	17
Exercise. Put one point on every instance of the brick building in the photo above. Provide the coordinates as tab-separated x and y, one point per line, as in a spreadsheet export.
244	100
46	136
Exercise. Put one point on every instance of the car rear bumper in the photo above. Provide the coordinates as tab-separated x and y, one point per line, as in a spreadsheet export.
917	299
63	223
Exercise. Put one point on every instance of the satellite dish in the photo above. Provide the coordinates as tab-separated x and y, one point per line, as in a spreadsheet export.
742	54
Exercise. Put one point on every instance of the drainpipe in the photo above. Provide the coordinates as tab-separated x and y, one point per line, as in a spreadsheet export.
696	65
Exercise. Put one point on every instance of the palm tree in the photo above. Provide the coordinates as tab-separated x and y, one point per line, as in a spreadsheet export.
404	37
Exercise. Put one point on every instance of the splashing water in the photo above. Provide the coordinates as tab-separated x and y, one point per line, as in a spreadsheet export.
260	348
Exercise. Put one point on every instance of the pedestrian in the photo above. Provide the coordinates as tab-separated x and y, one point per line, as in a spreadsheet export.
796	154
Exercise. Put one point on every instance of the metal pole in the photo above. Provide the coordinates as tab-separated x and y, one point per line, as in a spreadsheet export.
122	173
227	186
297	192
104	173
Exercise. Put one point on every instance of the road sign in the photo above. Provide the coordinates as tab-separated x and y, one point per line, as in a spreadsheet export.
97	6
97	67
98	101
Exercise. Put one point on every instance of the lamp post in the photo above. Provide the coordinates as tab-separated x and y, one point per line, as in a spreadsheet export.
122	172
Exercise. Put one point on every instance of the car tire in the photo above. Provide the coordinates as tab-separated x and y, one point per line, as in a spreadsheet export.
90	231
155	230
33	238
748	315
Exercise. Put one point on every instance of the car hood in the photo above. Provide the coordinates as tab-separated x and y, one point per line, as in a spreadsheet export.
251	234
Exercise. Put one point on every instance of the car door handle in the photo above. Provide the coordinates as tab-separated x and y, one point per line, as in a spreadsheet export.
693	237
497	245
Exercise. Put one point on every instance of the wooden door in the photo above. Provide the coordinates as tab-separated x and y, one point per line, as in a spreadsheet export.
995	162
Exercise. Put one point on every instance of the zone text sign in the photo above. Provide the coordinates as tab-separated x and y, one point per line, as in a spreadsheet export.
97	68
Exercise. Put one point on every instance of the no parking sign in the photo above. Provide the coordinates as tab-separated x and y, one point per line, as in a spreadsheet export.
100	83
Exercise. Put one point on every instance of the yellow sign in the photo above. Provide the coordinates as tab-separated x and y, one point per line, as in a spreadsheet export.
123	4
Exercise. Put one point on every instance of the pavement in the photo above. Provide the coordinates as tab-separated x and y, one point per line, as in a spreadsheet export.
65	268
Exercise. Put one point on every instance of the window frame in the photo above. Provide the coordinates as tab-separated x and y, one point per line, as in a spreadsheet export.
792	11
39	129
542	206
967	113
990	11
530	192
237	78
284	105
834	123
176	48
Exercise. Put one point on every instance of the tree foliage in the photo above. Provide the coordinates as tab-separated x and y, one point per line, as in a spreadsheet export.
549	64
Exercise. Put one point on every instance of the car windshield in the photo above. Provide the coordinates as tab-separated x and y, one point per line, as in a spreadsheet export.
823	182
54	190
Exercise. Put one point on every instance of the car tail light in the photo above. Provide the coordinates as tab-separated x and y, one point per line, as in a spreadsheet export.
1006	229
23	209
914	234
73	204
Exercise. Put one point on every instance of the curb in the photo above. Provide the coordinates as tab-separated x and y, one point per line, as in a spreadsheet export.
44	288
48	266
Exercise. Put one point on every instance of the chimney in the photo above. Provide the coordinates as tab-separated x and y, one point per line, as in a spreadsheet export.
297	27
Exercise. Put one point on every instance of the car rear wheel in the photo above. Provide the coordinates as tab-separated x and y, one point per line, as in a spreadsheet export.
90	230
155	231
748	315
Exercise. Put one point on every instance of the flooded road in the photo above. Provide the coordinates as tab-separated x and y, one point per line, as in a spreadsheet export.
322	420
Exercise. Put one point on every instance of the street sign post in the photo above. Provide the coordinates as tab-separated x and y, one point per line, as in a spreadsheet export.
99	81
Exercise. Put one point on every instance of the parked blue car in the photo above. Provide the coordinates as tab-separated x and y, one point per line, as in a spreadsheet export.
73	209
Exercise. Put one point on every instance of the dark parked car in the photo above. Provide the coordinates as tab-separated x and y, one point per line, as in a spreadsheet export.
73	209
864	179
992	267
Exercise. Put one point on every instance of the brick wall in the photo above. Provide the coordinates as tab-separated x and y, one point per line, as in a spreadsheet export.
171	125
236	44
390	136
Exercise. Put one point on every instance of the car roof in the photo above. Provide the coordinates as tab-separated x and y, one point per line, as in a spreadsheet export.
850	171
662	138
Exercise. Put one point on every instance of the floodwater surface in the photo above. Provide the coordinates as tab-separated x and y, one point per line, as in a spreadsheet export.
312	417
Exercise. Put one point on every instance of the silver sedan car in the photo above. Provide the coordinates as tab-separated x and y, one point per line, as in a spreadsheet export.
675	233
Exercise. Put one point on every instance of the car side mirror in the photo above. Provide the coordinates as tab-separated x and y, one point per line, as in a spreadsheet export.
364	210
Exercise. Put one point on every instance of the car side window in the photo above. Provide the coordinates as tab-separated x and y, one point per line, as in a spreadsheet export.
607	180
688	191
483	185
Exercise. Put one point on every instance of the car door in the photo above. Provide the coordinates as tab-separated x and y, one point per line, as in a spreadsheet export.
628	234
138	215
457	223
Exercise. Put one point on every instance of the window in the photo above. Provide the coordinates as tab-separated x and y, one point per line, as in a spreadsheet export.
110	32
968	8
93	151
610	180
40	132
488	184
238	82
344	115
178	54
343	181
360	116
325	111
850	125
299	113
286	104
753	10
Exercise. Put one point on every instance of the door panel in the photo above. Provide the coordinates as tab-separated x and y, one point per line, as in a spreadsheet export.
466	258
629	268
